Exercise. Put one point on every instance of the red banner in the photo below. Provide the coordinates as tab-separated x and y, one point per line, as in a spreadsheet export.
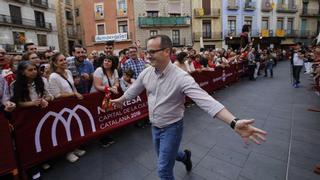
213	80
67	123
42	134
7	158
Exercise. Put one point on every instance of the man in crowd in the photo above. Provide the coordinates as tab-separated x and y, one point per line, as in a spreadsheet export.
134	63
30	48
109	51
81	69
167	86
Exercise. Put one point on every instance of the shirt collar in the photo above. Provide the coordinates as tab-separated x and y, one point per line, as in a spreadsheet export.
165	71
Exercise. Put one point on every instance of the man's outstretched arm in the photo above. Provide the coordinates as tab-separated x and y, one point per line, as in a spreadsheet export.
215	109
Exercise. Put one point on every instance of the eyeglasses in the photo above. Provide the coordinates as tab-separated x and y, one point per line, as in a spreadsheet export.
152	52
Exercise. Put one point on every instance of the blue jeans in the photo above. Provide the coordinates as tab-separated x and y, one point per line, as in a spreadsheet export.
269	66
167	141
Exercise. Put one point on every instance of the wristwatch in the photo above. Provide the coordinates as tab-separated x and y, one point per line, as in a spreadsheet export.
233	123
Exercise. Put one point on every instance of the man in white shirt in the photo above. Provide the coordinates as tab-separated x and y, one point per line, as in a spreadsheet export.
167	86
298	60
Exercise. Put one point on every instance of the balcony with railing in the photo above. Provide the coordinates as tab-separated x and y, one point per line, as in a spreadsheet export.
207	36
310	13
233	5
20	1
266	6
206	13
290	33
287	8
40	3
231	33
307	33
13	48
24	23
72	33
249	5
183	21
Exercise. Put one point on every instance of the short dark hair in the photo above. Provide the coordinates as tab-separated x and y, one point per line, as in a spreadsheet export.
112	58
246	28
109	43
181	56
165	41
76	46
129	73
25	56
133	47
26	45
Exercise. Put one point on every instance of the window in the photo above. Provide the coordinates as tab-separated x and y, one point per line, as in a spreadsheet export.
248	21
15	13
99	11
42	39
152	13
69	15
232	25
175	37
290	25
122	26
206	29
265	23
68	2
100	29
153	32
39	16
122	7
70	30
77	12
280	23
232	3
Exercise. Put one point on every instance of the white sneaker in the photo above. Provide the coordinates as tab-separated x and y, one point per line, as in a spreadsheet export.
79	152
71	157
46	166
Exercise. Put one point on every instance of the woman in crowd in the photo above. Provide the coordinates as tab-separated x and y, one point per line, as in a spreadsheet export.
45	71
33	57
189	64
196	63
181	59
62	85
106	75
30	90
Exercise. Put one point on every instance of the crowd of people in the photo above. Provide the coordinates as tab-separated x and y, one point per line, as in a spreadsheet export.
36	79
